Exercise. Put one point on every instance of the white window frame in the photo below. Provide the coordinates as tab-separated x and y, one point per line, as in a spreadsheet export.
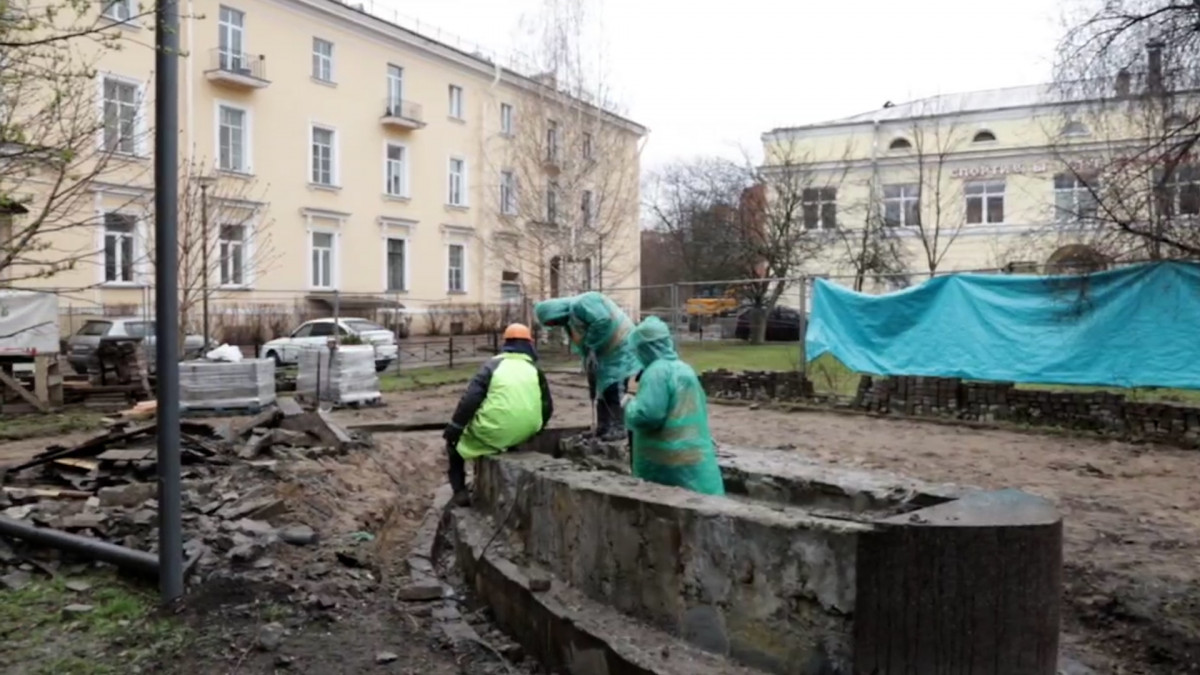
334	169
508	192
247	248
322	66
1076	195
247	138
908	194
331	270
395	89
230	59
139	118
129	9
984	191
1184	177
462	268
402	171
817	197
459	200
506	119
456	97
135	246
387	273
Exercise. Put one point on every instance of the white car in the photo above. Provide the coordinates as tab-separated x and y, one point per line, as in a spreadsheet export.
316	333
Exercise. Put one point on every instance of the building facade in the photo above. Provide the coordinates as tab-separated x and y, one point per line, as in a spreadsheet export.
1032	179
326	150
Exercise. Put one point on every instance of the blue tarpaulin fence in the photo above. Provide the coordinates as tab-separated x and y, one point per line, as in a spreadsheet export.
1137	326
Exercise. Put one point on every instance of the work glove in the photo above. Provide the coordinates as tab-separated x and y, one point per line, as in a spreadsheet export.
452	433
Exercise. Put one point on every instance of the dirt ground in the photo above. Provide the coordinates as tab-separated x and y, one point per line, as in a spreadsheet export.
1132	514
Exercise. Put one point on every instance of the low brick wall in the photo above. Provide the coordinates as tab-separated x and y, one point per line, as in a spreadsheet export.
943	397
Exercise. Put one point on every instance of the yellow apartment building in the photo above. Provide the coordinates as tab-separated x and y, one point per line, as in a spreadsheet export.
327	150
1007	179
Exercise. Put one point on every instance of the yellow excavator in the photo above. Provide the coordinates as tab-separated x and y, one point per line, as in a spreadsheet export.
710	305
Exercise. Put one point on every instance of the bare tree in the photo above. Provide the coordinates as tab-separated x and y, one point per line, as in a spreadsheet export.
691	205
568	195
1127	184
939	217
874	251
224	237
56	140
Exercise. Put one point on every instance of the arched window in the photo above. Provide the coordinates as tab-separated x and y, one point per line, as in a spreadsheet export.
984	136
1076	259
899	144
1074	128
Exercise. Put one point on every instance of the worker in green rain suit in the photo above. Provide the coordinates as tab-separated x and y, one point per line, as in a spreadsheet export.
667	411
599	332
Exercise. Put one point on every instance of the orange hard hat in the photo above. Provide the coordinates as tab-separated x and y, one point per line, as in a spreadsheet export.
517	331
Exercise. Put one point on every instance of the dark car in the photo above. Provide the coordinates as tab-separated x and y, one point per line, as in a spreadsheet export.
783	325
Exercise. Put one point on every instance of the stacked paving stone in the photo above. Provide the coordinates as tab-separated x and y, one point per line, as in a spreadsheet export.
1100	412
757	385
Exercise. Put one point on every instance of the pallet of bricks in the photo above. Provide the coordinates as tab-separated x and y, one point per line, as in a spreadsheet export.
338	374
117	373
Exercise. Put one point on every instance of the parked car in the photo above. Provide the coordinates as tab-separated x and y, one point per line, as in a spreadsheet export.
783	325
82	345
315	333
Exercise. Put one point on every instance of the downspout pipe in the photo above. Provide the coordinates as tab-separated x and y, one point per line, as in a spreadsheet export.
125	558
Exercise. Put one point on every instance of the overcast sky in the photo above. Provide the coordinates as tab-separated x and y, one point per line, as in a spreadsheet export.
709	78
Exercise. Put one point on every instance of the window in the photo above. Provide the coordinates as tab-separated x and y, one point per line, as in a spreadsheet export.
585	206
231	244
118	10
457	194
1074	198
1074	129
322	329
396	264
139	329
899	144
551	141
985	202
119	231
587	146
456	257
323	168
395	80
322	260
552	203
232	139
506	119
820	208
95	328
396	171
1181	192
984	136
456	102
902	205
510	287
322	60
508	193
120	116
231	33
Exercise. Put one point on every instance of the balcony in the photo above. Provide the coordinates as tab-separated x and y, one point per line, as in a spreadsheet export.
237	70
402	114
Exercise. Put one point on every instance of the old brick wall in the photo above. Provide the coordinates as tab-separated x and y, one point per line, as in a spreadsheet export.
953	398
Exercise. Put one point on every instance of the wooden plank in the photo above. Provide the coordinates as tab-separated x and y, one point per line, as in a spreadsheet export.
76	463
8	381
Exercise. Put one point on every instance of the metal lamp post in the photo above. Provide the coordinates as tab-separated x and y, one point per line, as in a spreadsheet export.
205	183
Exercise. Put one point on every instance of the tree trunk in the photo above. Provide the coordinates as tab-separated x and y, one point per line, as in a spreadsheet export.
758	325
969	586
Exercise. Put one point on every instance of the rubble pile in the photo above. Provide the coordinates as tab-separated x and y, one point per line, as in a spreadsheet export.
236	483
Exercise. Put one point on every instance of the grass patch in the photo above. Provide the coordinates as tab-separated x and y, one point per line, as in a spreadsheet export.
123	631
34	425
419	378
704	356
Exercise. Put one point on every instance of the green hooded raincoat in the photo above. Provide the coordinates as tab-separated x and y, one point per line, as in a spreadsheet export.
598	326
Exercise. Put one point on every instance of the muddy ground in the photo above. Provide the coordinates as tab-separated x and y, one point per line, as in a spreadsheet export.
1132	535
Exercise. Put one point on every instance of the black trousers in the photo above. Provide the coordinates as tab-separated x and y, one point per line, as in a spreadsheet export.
458	468
609	416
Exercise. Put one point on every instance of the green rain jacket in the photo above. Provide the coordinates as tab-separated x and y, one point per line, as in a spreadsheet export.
506	403
672	444
597	326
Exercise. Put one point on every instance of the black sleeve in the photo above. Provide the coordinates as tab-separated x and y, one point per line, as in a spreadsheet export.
477	390
547	401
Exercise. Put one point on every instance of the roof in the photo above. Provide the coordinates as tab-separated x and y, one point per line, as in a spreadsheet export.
950	104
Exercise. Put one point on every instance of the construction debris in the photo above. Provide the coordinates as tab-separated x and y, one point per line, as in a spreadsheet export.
105	489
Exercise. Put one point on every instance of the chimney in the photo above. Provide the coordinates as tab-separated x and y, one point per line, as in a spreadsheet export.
1124	81
1154	67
